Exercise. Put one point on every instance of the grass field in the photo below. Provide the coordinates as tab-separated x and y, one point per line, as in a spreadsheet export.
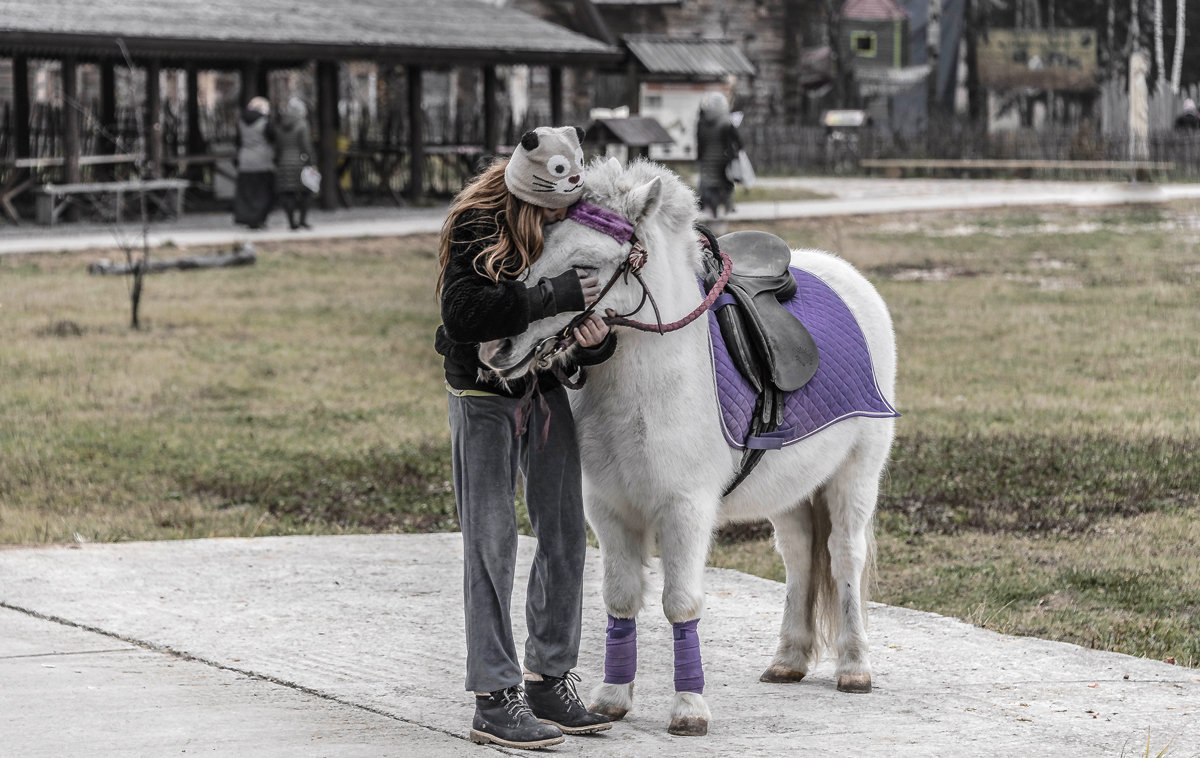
1044	479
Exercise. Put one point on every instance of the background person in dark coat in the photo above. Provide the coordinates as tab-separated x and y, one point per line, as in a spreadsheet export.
717	143
255	165
293	151
1190	118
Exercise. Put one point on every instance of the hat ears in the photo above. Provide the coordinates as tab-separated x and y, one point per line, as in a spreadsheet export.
530	140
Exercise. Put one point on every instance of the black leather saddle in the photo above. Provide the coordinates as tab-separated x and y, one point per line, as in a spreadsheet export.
760	284
769	345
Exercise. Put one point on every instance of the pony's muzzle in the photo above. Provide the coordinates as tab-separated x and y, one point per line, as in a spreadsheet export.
493	354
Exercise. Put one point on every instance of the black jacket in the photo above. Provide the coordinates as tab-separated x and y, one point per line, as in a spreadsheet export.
475	309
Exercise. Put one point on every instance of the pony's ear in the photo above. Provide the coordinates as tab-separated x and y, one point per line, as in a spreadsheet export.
616	164
646	199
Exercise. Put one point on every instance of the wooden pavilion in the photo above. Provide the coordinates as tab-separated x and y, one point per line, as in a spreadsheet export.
254	37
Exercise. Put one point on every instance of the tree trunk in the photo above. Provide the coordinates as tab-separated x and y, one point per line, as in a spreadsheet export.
1180	34
243	256
1159	58
1135	27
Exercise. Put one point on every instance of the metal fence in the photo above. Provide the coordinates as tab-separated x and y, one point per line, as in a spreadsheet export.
783	149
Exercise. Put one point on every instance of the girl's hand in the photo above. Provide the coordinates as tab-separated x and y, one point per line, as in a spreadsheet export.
591	332
591	286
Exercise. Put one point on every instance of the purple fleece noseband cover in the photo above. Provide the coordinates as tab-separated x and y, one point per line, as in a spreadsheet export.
602	220
620	651
689	674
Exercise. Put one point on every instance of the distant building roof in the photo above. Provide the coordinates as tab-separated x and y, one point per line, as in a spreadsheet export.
435	31
688	56
873	10
634	131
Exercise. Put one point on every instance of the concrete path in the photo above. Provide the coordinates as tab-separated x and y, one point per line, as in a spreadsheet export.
353	646
846	197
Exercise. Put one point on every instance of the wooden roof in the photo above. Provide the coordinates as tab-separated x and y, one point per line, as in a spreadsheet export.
688	56
873	10
634	131
443	32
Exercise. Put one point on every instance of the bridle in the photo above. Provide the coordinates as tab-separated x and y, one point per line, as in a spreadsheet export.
543	353
619	228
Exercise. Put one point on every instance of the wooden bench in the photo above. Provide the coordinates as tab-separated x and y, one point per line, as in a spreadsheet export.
896	167
21	177
164	194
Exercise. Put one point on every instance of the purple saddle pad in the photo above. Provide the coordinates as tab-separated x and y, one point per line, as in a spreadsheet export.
843	387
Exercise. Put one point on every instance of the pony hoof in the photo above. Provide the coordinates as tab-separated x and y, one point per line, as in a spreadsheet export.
779	674
858	684
688	726
616	713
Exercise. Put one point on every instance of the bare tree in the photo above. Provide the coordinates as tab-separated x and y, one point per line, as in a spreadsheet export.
1180	34
1135	27
137	264
1159	65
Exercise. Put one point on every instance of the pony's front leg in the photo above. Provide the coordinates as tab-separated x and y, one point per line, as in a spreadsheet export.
623	547
684	535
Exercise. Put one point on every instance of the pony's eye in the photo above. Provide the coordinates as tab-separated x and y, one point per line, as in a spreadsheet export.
558	165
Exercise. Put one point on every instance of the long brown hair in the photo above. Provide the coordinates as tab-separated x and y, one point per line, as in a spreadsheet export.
517	240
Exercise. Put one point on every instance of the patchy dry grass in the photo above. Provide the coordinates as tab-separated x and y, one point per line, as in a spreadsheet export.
1044	479
298	395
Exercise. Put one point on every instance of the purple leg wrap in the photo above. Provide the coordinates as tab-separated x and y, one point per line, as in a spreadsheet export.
689	673
620	651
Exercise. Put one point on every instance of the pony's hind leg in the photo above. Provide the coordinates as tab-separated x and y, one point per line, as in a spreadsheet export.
623	553
797	636
851	496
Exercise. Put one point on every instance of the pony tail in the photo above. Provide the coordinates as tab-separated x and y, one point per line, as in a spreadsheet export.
822	589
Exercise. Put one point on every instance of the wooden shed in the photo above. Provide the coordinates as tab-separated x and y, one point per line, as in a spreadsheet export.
635	132
876	33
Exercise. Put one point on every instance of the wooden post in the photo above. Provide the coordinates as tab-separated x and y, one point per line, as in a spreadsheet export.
153	127
20	74
195	140
249	82
327	123
556	95
262	82
70	88
490	141
633	88
108	108
416	137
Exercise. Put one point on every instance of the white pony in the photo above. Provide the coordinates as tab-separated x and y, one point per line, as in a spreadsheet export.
656	463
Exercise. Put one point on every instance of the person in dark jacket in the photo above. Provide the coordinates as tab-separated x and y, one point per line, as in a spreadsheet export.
717	143
492	234
293	152
255	165
1189	119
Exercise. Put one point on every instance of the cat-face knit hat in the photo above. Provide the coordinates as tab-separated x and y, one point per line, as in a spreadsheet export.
546	168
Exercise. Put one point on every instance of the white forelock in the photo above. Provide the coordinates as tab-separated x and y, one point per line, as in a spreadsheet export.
612	185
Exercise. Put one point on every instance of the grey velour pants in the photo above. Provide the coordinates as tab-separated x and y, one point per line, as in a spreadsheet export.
486	460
